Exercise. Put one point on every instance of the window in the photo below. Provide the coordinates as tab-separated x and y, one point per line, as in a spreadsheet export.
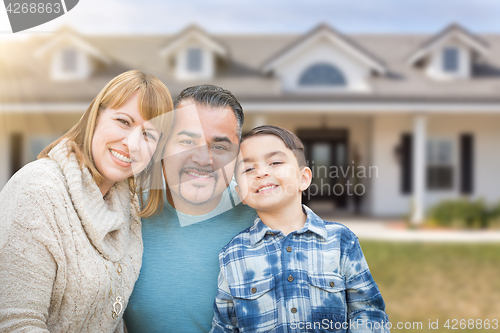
322	75
69	61
194	58
439	164
37	143
16	152
450	60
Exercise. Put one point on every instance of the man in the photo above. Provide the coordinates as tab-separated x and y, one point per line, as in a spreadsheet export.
178	279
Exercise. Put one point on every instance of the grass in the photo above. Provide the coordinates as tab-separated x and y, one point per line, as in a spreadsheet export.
422	281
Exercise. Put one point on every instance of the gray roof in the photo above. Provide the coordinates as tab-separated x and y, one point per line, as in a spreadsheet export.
451	28
325	27
25	78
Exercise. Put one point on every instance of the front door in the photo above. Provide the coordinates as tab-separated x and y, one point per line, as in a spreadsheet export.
327	156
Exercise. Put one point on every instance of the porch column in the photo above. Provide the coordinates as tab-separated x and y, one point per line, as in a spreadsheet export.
419	167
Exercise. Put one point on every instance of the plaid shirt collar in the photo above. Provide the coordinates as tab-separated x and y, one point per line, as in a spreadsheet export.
313	224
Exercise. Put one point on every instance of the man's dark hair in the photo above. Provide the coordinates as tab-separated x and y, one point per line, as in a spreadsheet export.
290	140
215	97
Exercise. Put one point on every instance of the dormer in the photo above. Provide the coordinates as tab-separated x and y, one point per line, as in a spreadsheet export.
324	61
193	54
450	55
70	57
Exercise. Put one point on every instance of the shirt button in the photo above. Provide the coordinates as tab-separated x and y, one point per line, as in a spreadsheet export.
289	249
290	278
254	290
294	310
332	284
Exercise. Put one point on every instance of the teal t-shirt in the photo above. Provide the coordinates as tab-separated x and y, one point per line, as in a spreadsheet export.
177	285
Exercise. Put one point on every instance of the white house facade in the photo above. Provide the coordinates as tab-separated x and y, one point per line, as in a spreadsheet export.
392	124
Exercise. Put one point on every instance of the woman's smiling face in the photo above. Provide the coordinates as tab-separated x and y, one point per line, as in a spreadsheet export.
123	143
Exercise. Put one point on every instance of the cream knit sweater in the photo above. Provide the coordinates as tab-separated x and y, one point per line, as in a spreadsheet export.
60	246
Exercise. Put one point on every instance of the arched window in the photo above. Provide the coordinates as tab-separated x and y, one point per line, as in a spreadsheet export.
322	75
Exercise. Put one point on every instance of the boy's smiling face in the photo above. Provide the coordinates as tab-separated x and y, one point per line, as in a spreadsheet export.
268	175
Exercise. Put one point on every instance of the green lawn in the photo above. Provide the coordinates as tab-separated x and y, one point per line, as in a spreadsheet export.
422	281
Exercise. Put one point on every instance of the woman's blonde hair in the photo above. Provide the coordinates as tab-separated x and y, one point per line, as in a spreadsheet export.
154	101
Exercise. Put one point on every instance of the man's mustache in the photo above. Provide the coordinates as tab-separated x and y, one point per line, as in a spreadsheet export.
196	169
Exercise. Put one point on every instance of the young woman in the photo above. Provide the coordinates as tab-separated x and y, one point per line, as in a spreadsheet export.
70	231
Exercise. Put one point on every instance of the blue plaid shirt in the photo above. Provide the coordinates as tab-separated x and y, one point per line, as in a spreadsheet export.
315	279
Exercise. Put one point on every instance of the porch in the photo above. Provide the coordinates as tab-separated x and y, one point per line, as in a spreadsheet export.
393	164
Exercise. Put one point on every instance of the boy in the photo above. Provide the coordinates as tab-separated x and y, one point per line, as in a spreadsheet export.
291	271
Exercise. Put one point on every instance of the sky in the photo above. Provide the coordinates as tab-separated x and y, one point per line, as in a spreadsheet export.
271	16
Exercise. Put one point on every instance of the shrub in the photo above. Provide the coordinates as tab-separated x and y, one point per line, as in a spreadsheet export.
494	216
461	214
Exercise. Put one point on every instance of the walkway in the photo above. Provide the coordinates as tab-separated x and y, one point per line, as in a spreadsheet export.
389	230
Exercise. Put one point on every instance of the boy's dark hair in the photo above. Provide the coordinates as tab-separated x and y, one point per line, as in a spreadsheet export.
215	97
290	140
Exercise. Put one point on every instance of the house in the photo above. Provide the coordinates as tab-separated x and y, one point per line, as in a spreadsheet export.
392	124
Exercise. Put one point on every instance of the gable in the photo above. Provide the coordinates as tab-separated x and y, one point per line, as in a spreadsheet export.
68	40
193	36
193	53
325	33
323	67
70	57
453	34
450	54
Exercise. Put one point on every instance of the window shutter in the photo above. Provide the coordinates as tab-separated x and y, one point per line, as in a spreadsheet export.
466	163
406	163
16	152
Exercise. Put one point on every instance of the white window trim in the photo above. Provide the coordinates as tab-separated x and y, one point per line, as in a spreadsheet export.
30	139
207	69
82	70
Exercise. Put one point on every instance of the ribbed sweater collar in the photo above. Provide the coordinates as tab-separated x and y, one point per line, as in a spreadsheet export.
106	221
